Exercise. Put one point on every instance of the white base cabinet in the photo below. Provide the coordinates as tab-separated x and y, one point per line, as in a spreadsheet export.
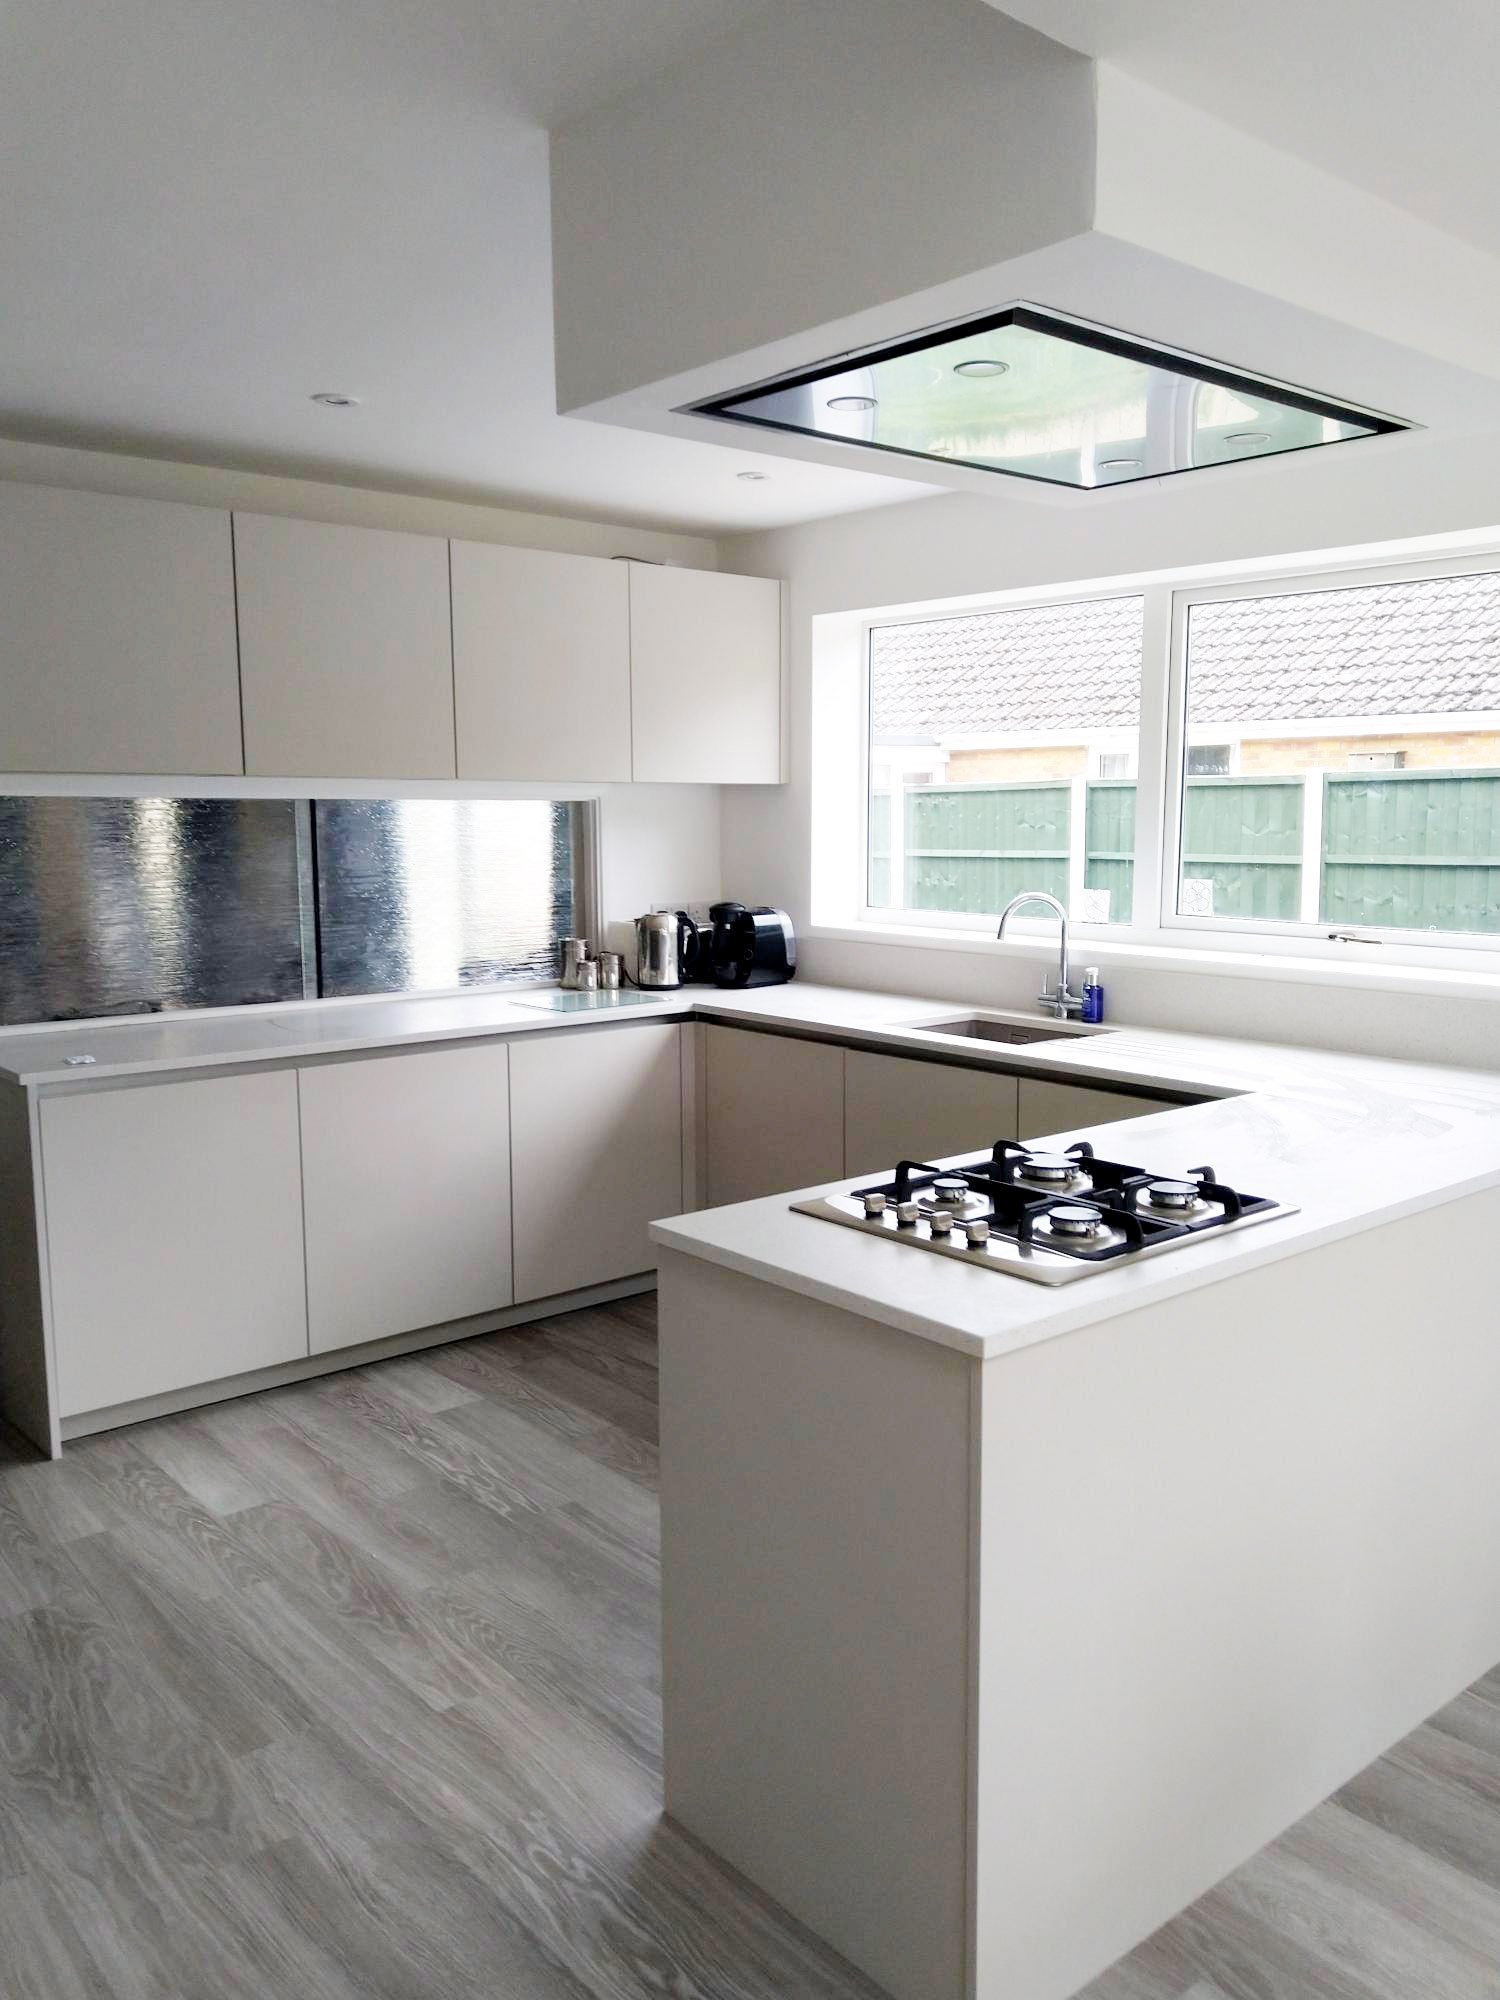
596	1133
895	1109
775	1114
406	1191
1047	1108
174	1228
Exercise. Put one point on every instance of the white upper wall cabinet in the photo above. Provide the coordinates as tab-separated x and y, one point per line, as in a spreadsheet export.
541	664
346	657
705	662
117	636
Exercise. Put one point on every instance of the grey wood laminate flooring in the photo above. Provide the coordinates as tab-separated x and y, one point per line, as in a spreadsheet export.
351	1689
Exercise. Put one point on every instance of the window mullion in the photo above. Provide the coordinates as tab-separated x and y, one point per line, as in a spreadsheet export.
1154	793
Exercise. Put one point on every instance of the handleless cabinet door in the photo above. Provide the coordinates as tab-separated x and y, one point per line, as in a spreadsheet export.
117	636
174	1235
896	1109
705	665
1050	1108
406	1187
346	653
775	1114
596	1123
541	664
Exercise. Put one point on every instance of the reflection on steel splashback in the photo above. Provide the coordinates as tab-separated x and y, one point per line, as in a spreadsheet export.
421	894
131	906
138	906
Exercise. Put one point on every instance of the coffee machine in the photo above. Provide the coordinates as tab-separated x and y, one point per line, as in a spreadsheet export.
751	947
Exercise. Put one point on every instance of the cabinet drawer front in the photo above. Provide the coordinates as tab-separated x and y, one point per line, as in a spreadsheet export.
596	1123
896	1109
775	1114
1051	1108
174	1234
406	1187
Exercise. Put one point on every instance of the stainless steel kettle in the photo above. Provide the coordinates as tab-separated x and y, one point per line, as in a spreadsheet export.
663	941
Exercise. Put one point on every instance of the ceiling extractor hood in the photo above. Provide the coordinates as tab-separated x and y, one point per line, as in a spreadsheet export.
927	247
1033	394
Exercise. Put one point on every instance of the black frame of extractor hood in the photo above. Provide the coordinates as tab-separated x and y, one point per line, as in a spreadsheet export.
1082	333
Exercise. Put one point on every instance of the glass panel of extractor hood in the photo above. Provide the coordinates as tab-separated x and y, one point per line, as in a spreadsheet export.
1040	397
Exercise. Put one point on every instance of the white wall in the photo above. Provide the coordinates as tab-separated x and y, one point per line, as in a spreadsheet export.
957	545
661	842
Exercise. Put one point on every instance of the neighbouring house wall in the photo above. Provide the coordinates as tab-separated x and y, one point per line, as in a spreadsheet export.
961	545
660	842
1069	760
1473	749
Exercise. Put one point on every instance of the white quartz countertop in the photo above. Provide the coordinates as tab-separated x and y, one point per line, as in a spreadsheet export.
1354	1140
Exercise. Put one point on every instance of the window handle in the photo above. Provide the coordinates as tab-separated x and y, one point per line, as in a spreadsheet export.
1352	937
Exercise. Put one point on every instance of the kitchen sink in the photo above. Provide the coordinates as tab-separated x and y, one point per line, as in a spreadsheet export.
983	1028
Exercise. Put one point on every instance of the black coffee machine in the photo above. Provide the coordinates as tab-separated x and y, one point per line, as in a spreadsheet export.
749	947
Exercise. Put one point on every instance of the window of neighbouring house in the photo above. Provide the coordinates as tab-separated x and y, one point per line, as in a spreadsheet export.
1365	792
1001	752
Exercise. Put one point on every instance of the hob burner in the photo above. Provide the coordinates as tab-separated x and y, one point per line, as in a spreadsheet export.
1174	1195
1049	1167
1075	1219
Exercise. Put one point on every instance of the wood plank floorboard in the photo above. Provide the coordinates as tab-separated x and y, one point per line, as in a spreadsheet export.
350	1691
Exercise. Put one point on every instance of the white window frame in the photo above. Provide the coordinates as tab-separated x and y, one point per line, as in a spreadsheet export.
1161	778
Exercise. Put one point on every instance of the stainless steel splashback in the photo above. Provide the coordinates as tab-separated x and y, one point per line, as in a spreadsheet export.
421	894
127	906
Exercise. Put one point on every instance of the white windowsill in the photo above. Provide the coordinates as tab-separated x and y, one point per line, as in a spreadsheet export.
1449	982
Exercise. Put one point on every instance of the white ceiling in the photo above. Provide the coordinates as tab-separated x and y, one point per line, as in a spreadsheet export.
1396	97
211	208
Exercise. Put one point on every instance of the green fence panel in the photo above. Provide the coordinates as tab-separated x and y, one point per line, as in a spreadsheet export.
1109	844
1412	850
1404	849
1245	836
880	851
973	847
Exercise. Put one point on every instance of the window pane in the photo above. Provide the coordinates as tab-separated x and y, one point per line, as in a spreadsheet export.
1359	730
422	895
135	906
990	739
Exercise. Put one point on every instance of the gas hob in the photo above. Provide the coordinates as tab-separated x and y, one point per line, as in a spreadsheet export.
1050	1217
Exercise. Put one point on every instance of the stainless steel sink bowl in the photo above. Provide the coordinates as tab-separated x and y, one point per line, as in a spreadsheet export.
981	1028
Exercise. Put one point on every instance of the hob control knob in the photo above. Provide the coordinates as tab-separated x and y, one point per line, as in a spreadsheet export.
907	1214
940	1222
977	1234
874	1204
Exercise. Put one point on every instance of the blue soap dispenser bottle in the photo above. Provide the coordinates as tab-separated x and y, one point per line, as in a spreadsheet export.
1093	997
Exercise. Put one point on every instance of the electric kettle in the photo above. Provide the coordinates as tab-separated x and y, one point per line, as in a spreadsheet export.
666	945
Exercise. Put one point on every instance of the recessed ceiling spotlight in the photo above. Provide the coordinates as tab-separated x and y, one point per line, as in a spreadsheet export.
981	369
851	402
1119	465
334	399
752	475
1247	437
